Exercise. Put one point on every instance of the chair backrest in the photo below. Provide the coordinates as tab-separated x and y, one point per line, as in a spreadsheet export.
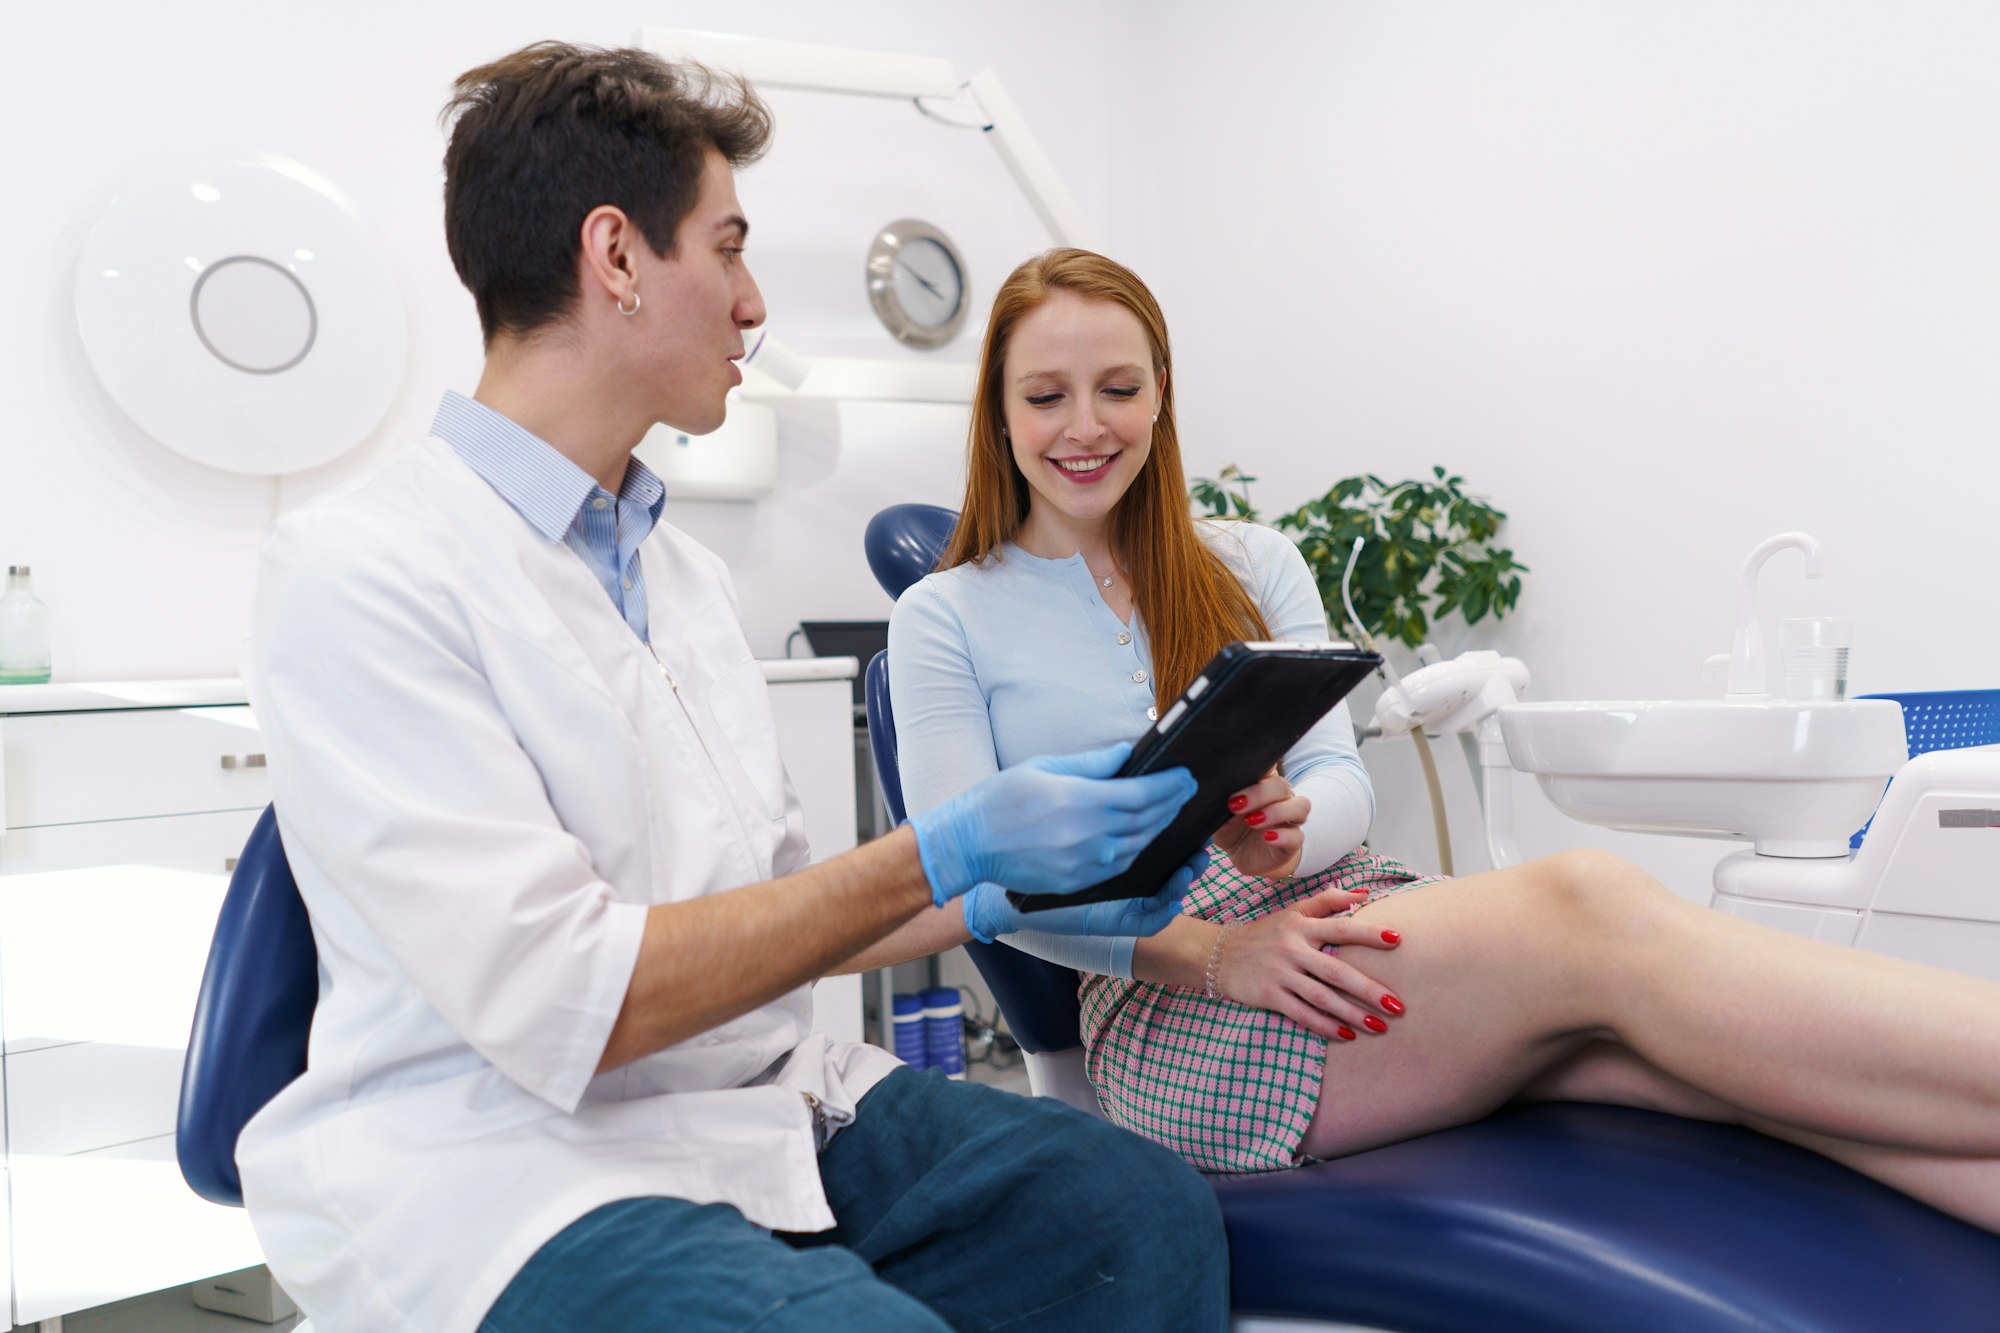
1943	720
1037	997
253	1017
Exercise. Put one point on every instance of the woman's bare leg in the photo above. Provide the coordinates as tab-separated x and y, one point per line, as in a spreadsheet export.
1605	1072
1507	975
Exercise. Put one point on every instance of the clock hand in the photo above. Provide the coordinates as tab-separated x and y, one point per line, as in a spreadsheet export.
927	284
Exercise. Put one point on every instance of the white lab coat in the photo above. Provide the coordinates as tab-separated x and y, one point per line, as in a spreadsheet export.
483	779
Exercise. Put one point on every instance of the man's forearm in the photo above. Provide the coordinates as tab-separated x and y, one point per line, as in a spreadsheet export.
926	933
712	959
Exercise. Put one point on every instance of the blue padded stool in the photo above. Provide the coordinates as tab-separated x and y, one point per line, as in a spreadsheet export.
253	1015
252	1018
1562	1218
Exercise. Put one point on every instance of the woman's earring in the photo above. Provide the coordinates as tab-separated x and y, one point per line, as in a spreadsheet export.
1003	432
635	305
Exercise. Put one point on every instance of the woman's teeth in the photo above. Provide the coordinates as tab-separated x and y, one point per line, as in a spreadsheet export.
1081	464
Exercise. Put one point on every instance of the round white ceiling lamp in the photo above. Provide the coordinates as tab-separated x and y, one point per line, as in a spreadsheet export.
242	315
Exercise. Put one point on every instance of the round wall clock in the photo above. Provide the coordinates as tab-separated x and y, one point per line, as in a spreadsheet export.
916	282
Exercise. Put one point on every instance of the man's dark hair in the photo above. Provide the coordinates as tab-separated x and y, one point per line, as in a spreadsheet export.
542	136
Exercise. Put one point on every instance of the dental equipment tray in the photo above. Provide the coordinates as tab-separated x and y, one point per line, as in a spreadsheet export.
1246	707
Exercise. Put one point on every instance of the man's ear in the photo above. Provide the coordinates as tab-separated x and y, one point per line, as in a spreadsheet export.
605	262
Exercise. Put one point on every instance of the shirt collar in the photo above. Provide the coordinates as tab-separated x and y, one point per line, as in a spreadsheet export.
527	471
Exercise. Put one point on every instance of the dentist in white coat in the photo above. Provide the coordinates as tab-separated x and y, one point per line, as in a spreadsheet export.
561	1072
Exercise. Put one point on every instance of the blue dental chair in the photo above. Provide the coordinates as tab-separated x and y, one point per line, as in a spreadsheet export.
1560	1218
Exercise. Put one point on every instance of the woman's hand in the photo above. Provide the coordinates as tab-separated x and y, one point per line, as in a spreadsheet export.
1277	962
1262	836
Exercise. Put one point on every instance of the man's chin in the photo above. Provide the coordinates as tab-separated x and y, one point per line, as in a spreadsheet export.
705	422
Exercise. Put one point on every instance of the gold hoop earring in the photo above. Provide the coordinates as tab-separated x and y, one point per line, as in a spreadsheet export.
635	305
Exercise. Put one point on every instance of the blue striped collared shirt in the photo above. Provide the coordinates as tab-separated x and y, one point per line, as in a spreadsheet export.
560	500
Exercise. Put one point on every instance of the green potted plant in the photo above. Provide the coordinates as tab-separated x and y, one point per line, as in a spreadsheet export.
1428	549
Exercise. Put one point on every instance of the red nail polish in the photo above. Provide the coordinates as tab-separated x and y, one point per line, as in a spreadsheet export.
1392	1004
1270	834
1374	1024
1236	803
1391	937
1345	1033
1255	818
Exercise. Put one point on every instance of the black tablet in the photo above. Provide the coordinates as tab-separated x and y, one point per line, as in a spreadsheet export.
1249	705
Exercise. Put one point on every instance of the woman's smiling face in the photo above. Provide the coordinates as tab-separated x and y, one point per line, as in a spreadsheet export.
1079	394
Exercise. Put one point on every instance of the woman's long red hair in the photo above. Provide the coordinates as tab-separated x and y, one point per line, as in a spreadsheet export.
1191	603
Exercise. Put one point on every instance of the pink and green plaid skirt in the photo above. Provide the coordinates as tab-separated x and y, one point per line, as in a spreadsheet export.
1230	1088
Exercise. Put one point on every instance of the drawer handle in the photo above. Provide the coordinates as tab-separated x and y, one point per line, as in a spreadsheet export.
247	761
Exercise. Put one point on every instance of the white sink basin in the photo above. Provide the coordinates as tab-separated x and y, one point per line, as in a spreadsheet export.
1796	779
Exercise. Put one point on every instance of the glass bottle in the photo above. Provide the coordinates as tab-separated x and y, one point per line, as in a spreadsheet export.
24	632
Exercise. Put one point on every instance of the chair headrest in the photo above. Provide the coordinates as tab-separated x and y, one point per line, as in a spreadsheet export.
904	543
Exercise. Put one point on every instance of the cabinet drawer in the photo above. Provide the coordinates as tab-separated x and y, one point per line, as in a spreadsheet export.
92	1094
206	844
68	768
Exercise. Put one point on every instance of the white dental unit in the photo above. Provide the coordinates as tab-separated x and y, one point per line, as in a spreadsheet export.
1794	778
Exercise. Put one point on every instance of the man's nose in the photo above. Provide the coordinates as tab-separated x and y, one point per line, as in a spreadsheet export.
749	304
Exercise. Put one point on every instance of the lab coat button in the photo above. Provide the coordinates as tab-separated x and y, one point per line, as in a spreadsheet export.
1138	677
1124	639
1152	714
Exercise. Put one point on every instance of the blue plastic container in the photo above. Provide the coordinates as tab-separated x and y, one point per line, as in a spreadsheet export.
944	1030
909	1031
1944	720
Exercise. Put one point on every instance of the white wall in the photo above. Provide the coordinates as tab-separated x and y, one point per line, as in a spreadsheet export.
1661	279
147	560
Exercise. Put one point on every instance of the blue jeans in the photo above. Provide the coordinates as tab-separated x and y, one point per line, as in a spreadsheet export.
959	1207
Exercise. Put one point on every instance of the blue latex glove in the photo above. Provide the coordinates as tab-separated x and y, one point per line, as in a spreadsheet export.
988	913
1051	825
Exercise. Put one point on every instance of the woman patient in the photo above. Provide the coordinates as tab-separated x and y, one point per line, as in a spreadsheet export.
1316	999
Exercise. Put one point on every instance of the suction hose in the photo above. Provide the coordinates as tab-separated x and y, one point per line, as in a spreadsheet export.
1439	825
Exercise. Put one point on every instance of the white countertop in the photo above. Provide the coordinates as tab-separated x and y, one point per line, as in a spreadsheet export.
93	696
88	696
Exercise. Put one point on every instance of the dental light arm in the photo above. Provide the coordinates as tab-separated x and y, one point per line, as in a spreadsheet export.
899	77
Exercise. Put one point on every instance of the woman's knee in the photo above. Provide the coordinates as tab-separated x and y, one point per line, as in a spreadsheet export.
1589	882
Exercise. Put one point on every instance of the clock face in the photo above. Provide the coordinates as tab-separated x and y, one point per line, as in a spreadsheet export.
928	282
917	284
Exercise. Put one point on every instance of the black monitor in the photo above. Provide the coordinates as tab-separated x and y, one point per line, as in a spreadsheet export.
860	639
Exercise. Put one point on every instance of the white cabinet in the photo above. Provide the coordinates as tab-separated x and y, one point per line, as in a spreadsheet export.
141	775
812	704
121	809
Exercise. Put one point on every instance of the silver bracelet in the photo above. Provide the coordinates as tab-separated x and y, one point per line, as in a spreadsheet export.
1215	960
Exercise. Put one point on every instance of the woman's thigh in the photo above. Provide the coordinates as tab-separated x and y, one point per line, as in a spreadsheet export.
1494	974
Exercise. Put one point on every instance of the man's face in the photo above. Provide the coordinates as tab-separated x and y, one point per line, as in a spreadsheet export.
697	303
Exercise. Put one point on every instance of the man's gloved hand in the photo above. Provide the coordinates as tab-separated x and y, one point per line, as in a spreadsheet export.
1051	825
988	913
